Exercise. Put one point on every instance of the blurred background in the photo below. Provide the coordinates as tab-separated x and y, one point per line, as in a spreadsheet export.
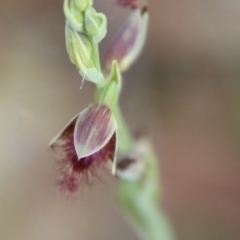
184	90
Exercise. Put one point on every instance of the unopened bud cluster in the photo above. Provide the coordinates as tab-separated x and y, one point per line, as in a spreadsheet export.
85	28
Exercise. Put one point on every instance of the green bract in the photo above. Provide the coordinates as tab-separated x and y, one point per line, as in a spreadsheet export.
109	94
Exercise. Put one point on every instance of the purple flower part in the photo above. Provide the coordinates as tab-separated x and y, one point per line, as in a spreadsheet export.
129	41
74	171
94	128
129	3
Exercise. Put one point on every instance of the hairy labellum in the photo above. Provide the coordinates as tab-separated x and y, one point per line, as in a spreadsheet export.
86	144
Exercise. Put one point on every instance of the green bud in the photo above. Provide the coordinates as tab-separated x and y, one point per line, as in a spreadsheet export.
82	5
95	24
74	18
78	46
80	51
110	93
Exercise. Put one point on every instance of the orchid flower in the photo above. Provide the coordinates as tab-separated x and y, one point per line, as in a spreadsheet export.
88	142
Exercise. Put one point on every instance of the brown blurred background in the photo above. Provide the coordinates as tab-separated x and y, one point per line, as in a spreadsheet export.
184	89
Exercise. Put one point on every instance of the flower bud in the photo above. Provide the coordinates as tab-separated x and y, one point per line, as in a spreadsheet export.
74	17
95	24
82	5
129	40
80	51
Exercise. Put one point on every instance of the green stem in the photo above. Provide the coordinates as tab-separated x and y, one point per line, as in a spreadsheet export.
125	141
139	199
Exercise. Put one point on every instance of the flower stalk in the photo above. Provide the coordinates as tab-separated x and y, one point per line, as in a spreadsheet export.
98	137
139	198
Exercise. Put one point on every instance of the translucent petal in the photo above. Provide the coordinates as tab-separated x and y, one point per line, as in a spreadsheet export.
94	128
65	133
